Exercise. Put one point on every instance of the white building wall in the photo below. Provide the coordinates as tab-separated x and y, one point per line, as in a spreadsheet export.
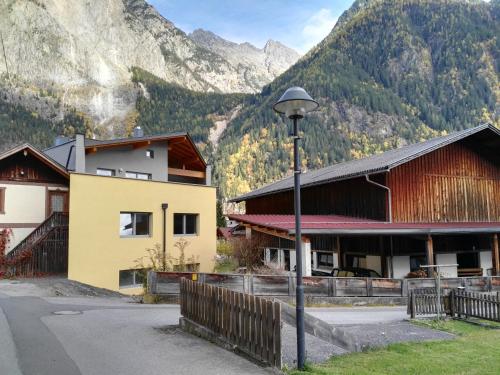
442	259
24	203
485	261
401	266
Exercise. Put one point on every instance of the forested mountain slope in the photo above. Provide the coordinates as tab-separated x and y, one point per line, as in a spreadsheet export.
390	72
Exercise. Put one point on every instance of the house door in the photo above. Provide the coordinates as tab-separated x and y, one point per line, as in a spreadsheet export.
58	202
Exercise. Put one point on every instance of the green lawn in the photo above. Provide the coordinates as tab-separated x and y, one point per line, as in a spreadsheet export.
476	350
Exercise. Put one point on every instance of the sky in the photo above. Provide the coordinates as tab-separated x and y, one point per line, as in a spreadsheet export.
297	24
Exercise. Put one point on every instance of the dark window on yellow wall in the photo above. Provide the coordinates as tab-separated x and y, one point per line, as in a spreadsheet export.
185	224
135	224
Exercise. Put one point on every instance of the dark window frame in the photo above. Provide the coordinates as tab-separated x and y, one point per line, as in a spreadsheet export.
150	154
113	172
148	175
134	224
184	224
137	279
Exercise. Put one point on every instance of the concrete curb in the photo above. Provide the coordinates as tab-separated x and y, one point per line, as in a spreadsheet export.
319	328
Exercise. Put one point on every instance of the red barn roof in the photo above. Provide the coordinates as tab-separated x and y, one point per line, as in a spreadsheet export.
334	224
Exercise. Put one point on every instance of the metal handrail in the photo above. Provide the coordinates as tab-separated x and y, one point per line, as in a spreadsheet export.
57	219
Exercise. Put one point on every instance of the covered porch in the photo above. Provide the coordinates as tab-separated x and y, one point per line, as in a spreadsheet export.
392	250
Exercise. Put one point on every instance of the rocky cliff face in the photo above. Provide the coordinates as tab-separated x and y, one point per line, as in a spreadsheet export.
81	53
257	66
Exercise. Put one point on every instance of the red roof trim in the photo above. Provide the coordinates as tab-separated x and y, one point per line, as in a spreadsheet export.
330	224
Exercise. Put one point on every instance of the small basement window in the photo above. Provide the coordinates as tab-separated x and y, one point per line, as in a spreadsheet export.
131	278
150	154
138	175
135	224
105	172
185	224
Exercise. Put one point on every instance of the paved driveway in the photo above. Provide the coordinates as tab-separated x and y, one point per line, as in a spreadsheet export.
100	336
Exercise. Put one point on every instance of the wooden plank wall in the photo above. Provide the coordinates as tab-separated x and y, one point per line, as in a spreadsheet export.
251	323
451	184
354	197
28	169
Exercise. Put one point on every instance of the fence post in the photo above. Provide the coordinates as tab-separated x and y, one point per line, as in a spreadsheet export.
404	288
412	305
152	278
451	297
369	289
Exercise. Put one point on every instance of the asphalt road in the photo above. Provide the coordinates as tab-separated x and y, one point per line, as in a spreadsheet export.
100	336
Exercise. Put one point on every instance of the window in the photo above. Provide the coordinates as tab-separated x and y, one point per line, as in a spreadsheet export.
131	278
468	260
2	200
105	172
150	154
273	255
135	224
416	261
138	175
325	260
185	224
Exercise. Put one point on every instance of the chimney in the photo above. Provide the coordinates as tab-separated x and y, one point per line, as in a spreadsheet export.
208	175
80	153
138	132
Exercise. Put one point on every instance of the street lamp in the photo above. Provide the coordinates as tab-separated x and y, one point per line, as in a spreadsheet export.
295	103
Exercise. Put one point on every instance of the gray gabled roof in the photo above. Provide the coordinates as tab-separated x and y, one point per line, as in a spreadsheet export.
372	164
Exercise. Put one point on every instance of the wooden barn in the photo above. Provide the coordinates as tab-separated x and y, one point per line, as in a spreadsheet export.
435	202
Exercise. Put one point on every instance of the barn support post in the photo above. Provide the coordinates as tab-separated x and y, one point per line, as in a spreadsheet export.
495	255
430	254
339	253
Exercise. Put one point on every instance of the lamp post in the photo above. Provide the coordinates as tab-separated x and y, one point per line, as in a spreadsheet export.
295	103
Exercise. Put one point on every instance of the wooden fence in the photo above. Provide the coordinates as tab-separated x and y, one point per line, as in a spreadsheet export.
458	303
478	305
251	323
168	283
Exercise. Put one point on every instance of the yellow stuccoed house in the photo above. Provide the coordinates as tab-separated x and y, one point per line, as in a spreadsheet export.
134	194
114	220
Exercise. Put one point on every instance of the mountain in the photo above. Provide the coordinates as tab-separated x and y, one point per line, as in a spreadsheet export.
258	66
63	55
389	73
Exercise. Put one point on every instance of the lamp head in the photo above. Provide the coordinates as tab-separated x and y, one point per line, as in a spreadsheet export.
295	103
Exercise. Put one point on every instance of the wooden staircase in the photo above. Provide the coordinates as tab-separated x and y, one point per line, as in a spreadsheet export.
43	251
